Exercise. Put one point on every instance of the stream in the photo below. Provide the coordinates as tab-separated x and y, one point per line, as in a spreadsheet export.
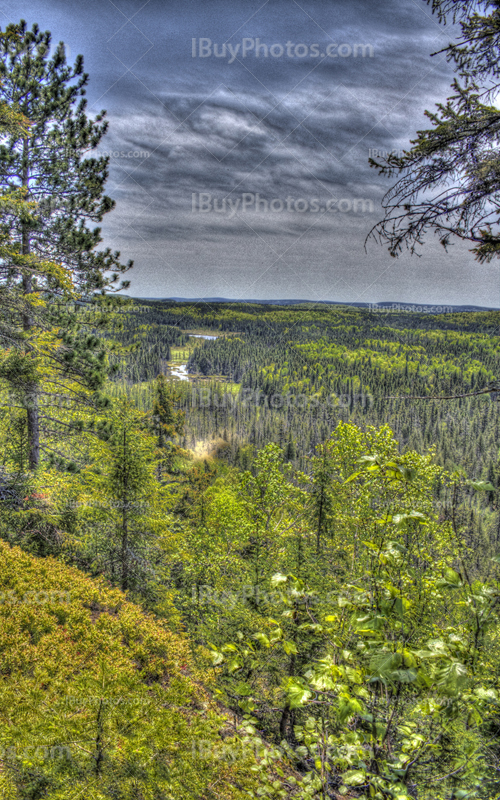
179	371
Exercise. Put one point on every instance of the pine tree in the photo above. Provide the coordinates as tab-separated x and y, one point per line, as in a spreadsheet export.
448	181
290	449
129	480
168	424
55	250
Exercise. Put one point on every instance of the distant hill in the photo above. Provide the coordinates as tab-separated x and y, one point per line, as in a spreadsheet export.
385	305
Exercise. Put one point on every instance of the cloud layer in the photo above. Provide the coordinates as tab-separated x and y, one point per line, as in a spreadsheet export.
251	178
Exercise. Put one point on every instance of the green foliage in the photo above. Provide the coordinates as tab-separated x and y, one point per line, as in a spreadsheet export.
168	424
49	194
97	695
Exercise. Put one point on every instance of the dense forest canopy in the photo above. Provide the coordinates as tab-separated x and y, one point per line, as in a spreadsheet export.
326	546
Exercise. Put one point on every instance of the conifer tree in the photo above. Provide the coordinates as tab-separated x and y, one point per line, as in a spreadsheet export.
448	180
290	450
128	482
65	192
168	424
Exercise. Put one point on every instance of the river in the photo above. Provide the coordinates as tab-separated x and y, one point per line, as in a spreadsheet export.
179	371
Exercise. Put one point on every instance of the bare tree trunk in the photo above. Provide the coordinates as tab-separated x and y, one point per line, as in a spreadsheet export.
32	412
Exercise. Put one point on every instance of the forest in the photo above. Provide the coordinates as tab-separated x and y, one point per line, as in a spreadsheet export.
247	551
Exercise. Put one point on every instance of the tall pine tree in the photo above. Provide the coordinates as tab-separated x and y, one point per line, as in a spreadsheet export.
168	424
64	189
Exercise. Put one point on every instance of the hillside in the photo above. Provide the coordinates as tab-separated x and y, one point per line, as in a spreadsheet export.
96	695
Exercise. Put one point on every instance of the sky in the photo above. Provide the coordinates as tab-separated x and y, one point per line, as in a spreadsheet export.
239	138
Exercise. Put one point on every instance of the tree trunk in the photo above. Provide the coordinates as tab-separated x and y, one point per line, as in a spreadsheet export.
33	426
287	715
124	550
320	520
31	393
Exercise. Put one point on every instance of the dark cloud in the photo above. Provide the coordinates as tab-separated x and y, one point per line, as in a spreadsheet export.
291	126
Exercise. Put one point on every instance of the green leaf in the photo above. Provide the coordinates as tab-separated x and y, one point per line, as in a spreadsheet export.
298	692
405	675
451	677
352	477
278	578
243	689
474	717
356	778
246	705
482	486
348	707
487	694
415	515
452	577
217	658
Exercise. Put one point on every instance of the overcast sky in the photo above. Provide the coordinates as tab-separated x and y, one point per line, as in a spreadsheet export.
242	171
